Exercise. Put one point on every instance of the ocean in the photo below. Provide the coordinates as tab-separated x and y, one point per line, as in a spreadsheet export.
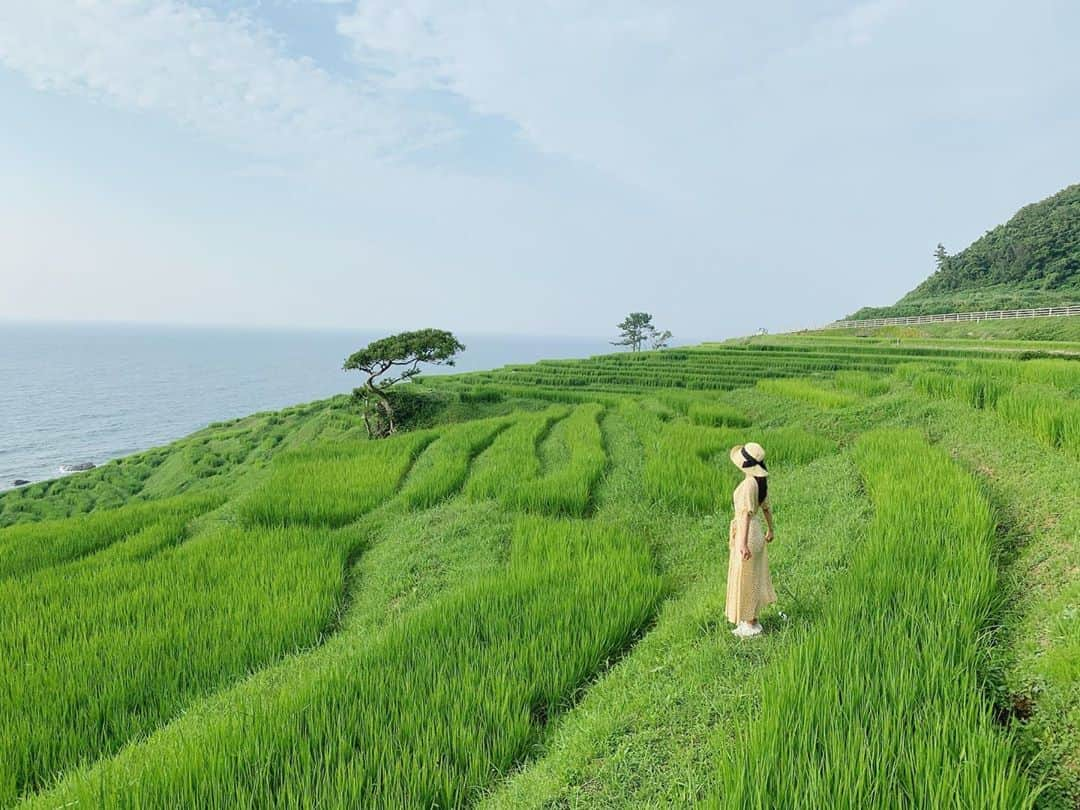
76	393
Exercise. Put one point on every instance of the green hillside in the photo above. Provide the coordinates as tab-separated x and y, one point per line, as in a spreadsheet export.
518	601
1051	334
1033	260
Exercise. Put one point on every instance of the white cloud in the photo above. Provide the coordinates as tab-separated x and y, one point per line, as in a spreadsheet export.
224	76
859	24
570	75
649	92
770	142
643	91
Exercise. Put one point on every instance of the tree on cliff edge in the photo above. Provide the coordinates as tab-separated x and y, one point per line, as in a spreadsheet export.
405	351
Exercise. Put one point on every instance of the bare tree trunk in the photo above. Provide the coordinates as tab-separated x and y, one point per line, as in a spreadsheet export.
383	403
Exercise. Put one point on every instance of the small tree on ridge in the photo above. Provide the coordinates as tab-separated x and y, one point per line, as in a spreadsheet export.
660	339
406	351
637	329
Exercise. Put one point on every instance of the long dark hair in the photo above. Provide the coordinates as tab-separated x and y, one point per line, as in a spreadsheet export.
750	462
762	488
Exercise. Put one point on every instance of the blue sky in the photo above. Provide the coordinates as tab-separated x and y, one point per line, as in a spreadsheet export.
540	167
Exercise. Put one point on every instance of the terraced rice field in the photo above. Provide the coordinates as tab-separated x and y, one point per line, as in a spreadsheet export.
520	602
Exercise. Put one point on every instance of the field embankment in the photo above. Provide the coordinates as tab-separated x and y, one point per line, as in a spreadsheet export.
1034	334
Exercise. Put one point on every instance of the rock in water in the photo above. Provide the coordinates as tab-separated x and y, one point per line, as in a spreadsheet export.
80	467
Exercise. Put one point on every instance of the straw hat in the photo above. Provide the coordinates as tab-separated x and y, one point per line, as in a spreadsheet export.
750	458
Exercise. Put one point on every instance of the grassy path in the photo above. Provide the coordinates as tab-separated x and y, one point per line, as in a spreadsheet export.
880	705
650	731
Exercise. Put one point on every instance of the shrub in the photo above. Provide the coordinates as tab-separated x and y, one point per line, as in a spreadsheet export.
415	406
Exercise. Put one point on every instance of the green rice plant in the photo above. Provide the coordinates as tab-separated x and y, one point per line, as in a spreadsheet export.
879	704
716	414
443	466
1069	428
333	484
481	394
935	384
971	385
27	547
425	713
513	454
793	445
860	382
1049	415
1034	409
717	367
979	389
909	371
980	383
687	467
557	394
679	402
512	472
807	391
653	406
566	487
105	649
1046	412
1061	374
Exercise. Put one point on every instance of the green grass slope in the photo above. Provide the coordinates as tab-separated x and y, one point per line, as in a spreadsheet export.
1033	260
518	601
1033	334
222	458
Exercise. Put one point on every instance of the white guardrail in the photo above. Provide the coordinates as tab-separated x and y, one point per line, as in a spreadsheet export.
950	317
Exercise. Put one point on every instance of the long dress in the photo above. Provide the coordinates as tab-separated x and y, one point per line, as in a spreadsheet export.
749	586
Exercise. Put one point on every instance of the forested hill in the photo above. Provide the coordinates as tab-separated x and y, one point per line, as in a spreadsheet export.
1033	260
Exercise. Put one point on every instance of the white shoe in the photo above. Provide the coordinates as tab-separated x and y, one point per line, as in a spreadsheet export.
746	630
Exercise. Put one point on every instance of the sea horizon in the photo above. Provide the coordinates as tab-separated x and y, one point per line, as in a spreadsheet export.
74	392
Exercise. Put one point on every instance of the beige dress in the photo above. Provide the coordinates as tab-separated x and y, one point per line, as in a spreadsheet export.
749	586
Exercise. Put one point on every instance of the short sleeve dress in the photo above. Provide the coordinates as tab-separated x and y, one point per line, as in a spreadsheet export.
749	586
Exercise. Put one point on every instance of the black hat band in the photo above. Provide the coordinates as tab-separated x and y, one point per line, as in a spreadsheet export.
750	461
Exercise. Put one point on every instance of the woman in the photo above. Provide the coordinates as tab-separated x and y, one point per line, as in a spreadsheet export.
749	586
